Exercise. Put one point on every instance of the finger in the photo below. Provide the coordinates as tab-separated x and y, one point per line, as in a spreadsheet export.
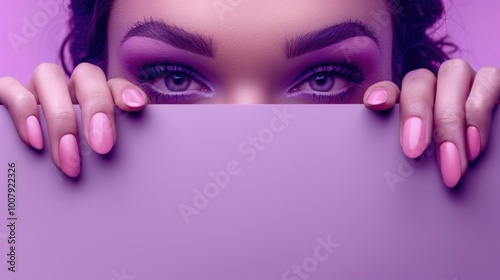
89	86
416	116
381	96
126	95
23	108
453	87
49	84
484	95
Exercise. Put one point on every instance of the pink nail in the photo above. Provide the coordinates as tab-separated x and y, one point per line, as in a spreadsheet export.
133	98
101	133
69	157
473	142
450	164
378	97
34	132
414	137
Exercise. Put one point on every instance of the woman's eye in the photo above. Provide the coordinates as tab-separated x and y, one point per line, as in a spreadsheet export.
177	82
330	84
173	84
325	82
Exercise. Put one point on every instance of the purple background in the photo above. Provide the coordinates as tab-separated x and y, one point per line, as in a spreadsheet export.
469	22
310	181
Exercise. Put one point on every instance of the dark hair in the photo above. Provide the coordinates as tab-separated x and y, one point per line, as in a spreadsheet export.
413	46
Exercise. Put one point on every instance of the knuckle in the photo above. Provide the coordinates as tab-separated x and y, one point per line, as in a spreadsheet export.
446	125
115	86
16	95
85	69
117	82
47	69
63	115
455	62
453	65
448	119
412	100
95	95
95	91
21	100
419	74
96	99
7	82
489	74
474	105
486	85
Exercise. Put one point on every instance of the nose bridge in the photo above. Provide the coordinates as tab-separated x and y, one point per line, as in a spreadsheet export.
249	91
250	75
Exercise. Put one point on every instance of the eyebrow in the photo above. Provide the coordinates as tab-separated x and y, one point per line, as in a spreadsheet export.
328	36
172	35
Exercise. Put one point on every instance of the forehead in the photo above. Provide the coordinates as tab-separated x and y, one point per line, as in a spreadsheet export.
247	20
249	36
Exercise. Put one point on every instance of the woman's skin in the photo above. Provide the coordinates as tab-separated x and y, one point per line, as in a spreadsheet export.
257	51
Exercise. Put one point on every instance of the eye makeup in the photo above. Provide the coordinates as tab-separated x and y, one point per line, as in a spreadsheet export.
347	71
340	80
336	74
149	62
168	83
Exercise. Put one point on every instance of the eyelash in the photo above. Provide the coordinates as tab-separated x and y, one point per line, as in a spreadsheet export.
149	73
351	73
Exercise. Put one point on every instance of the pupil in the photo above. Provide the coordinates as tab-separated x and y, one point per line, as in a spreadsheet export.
177	82
178	79
321	80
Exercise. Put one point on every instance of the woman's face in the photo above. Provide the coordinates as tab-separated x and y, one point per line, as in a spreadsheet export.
251	51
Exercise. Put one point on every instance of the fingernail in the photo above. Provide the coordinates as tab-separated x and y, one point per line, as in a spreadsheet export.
133	98
473	142
377	97
101	133
414	137
34	132
69	157
451	169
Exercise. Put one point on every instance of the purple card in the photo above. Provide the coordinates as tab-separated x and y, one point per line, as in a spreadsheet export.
248	192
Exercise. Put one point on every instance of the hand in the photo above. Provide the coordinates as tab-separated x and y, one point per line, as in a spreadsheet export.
455	108
87	86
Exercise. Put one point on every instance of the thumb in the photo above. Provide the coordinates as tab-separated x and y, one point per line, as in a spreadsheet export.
381	96
127	96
